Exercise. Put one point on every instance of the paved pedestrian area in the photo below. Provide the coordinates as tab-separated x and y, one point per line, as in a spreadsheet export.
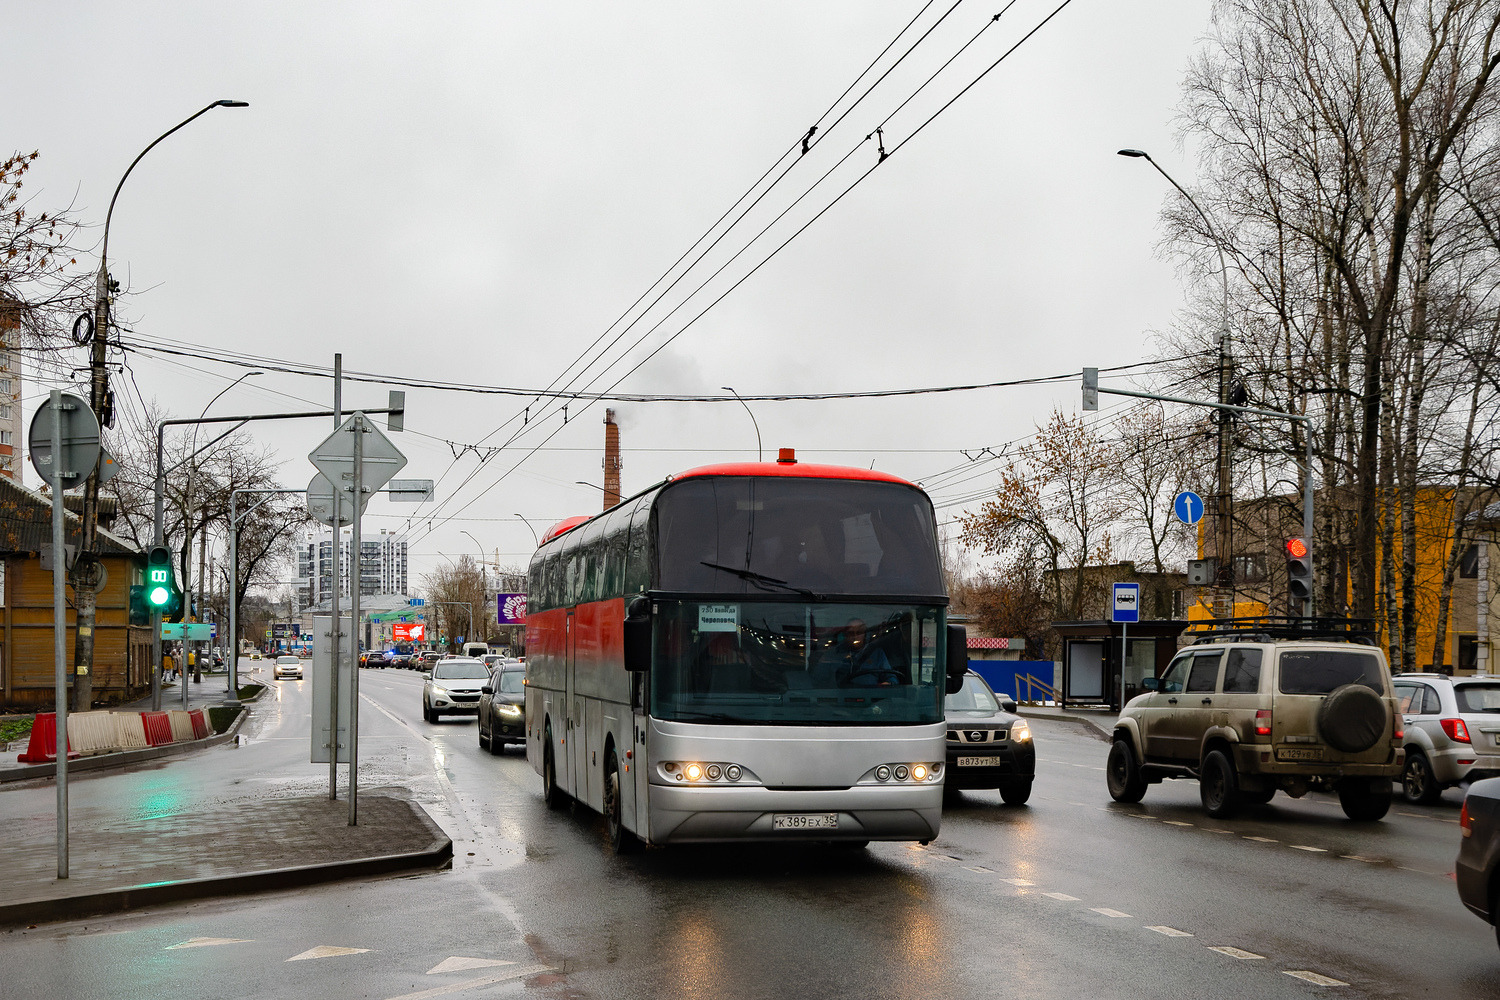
166	838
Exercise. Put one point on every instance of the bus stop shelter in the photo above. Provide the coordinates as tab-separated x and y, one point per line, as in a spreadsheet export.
1098	670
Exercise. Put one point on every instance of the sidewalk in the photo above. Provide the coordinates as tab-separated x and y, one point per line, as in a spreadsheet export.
128	858
239	817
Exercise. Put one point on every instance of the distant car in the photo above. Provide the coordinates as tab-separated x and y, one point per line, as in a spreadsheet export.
255	654
988	747
1452	731
287	666
425	659
1478	868
502	709
453	688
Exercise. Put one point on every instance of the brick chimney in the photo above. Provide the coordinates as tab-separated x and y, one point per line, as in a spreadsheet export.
611	460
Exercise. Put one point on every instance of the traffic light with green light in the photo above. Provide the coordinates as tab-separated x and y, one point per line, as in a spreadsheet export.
162	594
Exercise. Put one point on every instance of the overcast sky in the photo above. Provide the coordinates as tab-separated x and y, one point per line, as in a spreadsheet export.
472	193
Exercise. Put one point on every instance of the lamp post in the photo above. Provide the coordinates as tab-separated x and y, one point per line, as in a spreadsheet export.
188	534
484	582
534	537
85	568
760	454
1224	516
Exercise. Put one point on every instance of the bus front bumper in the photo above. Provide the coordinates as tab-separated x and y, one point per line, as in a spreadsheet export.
699	814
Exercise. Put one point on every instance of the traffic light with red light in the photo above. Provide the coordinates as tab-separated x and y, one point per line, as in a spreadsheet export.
1299	573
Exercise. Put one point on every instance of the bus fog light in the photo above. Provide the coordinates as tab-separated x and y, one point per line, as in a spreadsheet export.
883	773
919	772
733	772
694	772
713	772
901	772
669	766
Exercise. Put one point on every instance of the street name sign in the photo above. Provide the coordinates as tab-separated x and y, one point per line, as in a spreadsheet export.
409	490
1127	603
1189	507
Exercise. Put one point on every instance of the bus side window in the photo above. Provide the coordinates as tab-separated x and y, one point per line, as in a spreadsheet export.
616	527
535	574
572	564
638	551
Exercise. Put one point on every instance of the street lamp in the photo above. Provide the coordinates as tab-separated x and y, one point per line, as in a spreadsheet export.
760	455
484	578
98	399
534	537
1223	531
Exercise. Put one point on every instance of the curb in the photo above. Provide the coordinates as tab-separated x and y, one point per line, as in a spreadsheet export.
124	758
37	911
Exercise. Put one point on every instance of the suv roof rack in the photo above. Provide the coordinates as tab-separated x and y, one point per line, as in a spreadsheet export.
1270	628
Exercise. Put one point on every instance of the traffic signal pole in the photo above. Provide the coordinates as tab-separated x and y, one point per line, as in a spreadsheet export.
1092	389
395	411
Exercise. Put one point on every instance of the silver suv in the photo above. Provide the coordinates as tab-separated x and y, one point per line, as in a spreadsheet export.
1248	716
1452	731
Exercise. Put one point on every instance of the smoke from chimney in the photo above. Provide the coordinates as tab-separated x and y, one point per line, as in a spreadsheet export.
611	460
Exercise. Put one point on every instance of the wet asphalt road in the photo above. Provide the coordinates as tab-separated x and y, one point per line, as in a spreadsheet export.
1071	895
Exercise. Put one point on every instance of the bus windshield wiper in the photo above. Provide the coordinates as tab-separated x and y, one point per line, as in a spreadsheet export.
759	579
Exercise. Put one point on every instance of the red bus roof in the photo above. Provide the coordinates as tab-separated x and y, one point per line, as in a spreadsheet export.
784	469
564	526
795	469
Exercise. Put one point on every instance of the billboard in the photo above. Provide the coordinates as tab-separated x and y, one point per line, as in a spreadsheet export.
409	633
510	609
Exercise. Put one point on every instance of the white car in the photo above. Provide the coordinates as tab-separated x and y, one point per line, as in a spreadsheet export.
452	687
287	666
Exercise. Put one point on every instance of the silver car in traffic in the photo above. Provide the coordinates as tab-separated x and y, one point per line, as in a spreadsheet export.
451	687
1452	731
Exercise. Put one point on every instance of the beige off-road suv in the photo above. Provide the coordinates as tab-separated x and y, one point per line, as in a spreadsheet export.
1246	718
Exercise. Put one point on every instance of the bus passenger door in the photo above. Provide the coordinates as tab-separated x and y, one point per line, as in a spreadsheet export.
573	725
640	767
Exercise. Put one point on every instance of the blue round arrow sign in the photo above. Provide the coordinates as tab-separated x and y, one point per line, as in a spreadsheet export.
1189	507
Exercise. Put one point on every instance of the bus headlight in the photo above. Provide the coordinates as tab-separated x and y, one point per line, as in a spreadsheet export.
901	772
733	772
883	772
693	771
919	772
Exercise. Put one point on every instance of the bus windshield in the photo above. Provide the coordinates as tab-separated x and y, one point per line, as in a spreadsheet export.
797	663
812	537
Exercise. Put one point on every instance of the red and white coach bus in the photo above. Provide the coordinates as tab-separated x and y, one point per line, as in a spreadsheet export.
753	651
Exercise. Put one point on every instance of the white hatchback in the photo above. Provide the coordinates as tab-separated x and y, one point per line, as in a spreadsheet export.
287	666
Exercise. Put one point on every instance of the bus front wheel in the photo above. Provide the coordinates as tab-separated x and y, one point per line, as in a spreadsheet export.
551	794
621	839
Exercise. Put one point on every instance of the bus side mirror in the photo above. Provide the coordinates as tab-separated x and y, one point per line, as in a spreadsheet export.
638	635
958	657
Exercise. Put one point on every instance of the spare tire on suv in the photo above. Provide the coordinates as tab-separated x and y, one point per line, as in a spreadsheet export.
1353	718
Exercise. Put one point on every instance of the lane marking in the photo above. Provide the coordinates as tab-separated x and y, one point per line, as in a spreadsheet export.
1105	911
1061	897
971	868
1166	931
1210	829
474	984
1263	840
1017	881
1176	822
1360	857
1238	953
1317	979
206	942
1303	847
326	951
460	964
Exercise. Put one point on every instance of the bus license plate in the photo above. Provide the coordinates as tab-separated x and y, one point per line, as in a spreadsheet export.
1300	753
804	821
975	761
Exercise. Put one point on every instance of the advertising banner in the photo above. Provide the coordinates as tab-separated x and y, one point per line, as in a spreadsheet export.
409	633
511	609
